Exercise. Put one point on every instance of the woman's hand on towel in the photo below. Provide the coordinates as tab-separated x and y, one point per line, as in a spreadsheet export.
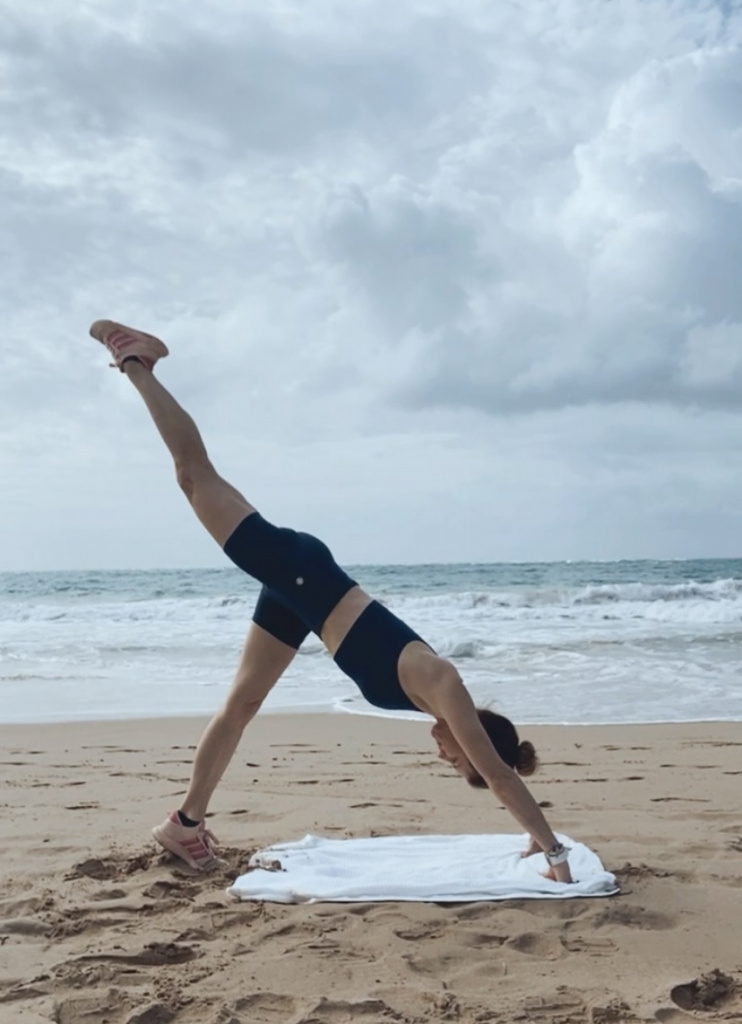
560	873
533	847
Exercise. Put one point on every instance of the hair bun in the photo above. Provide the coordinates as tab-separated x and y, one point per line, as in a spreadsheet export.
527	760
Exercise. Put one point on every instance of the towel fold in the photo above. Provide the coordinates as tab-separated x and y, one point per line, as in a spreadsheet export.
424	868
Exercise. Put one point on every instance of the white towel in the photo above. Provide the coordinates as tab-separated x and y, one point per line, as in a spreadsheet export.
436	869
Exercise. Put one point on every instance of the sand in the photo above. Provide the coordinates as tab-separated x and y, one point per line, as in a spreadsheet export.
97	927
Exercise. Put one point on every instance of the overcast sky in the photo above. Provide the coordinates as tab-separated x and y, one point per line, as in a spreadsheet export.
447	280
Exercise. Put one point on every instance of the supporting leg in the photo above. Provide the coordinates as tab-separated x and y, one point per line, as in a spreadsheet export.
264	660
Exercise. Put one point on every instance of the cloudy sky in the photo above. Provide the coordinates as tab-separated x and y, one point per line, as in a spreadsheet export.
447	280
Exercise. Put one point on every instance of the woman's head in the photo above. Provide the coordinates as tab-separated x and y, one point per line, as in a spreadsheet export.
520	756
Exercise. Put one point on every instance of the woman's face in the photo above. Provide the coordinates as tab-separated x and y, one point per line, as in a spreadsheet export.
449	749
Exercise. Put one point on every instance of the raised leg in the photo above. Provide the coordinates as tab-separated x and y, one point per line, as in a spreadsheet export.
219	506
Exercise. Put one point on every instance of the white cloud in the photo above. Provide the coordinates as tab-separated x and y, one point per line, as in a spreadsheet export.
393	249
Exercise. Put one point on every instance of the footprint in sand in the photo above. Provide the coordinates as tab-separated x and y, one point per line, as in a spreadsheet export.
88	977
156	954
265	1007
164	890
615	1012
72	1011
337	1012
634	917
330	949
545	947
19	993
110	868
155	1013
593	947
482	940
306	931
24	926
362	909
472	911
566	910
435	966
108	895
637	871
708	992
418	932
25	906
564	1006
219	921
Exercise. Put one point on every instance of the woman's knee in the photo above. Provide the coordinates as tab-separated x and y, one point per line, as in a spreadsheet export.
240	709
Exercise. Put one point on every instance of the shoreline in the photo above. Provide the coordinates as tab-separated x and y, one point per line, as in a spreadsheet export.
313	711
95	924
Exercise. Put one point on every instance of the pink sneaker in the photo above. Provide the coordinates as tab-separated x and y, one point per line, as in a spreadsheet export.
193	845
124	342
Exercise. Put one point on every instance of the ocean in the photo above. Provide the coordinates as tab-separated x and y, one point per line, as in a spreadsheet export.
578	643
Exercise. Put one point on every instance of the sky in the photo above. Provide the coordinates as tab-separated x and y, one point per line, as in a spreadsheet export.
442	281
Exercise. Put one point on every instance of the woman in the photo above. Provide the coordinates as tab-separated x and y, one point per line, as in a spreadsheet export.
305	590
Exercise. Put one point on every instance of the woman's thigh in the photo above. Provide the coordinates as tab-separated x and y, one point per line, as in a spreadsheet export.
220	506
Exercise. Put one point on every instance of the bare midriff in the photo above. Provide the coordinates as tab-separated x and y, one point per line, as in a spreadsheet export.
338	623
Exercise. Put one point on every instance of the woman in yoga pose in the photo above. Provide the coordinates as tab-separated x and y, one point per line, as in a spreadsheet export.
304	590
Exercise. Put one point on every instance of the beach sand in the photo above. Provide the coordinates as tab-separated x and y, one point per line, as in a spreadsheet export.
97	927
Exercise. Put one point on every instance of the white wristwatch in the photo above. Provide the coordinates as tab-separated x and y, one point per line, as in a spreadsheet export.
558	854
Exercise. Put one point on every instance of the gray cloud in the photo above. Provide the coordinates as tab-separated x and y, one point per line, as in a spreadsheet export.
605	293
355	229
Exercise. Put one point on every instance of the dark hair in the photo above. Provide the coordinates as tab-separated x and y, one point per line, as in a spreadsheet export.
518	755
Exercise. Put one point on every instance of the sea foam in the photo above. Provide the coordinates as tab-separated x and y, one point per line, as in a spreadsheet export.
584	642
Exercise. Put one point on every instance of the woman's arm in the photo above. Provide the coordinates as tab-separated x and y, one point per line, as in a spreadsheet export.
449	699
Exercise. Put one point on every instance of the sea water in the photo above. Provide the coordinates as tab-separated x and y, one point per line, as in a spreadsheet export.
580	642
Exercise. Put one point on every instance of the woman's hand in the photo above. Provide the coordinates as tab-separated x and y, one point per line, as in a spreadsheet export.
560	873
533	847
